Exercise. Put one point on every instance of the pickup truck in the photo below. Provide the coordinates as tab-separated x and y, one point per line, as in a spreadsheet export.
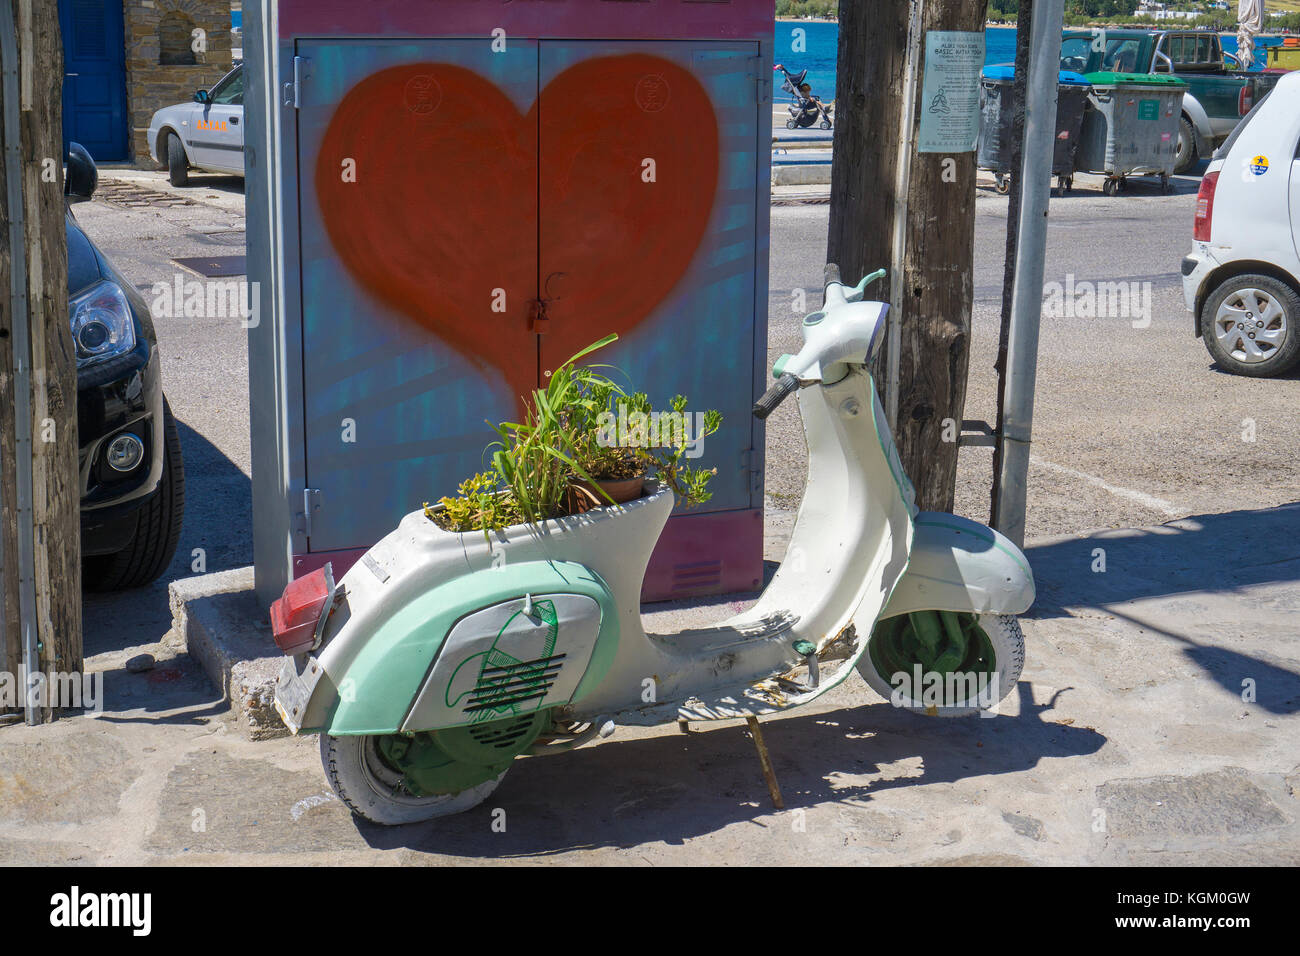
1218	95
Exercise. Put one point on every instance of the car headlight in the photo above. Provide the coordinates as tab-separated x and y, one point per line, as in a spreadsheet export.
102	326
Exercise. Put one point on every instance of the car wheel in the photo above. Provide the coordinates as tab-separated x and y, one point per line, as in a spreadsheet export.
1185	155
178	166
158	527
1249	326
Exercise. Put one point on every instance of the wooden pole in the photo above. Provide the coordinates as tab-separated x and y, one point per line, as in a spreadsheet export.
935	291
40	563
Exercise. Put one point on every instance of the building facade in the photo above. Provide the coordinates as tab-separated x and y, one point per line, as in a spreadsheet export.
124	59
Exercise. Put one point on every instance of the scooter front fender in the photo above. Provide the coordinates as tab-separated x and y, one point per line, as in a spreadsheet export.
961	565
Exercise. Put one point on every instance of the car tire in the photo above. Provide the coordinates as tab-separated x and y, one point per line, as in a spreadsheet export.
1185	157
178	165
1230	344
158	527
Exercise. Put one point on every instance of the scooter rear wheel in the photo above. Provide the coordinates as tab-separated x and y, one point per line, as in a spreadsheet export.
373	789
990	645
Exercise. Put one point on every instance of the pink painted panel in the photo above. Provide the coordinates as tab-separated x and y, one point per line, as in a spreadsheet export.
569	19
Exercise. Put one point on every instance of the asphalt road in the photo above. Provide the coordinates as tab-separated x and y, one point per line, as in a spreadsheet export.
1133	426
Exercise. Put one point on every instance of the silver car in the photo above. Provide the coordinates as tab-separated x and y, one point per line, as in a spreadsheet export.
207	134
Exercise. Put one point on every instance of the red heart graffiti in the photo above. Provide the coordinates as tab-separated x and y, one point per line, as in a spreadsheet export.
450	207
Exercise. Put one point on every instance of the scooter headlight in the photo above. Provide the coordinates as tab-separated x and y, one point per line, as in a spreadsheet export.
102	325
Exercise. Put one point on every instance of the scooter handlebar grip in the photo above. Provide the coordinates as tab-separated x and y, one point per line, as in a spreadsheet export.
775	395
832	274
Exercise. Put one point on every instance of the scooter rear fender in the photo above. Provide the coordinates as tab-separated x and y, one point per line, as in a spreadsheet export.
379	688
961	565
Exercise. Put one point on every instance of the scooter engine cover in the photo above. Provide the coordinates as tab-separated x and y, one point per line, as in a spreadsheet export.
510	659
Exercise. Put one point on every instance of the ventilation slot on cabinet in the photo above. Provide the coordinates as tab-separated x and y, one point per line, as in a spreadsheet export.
697	575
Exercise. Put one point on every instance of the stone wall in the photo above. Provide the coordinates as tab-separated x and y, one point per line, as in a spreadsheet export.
152	84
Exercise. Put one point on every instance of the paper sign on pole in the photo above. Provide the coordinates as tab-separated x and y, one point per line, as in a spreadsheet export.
950	92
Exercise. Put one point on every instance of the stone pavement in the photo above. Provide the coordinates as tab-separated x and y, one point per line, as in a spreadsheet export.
1155	722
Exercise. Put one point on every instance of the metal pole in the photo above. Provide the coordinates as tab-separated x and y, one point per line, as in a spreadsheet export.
11	102
1031	252
902	182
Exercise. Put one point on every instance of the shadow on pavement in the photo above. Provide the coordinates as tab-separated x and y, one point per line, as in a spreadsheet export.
218	520
1211	552
1221	553
233	185
630	792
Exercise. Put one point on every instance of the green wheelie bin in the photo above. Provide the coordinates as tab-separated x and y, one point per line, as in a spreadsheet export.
1130	127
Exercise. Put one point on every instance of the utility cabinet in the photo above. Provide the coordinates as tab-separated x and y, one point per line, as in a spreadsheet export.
448	199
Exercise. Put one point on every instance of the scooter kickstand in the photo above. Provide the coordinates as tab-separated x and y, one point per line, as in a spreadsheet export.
773	788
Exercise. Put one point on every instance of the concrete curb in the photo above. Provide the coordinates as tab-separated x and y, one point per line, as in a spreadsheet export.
812	175
228	634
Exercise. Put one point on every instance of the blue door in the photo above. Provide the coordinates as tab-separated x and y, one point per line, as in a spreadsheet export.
94	82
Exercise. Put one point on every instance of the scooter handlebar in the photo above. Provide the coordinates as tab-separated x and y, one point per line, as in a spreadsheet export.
775	395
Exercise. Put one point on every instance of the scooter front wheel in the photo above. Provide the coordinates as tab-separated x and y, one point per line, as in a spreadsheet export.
369	783
943	663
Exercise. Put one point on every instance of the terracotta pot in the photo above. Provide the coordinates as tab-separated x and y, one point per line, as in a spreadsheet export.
621	490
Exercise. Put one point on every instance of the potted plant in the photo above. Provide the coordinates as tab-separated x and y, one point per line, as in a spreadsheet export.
585	442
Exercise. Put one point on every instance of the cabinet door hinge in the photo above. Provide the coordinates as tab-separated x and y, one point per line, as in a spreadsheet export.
311	504
293	88
752	465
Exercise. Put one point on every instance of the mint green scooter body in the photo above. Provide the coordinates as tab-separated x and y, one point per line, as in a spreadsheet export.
382	685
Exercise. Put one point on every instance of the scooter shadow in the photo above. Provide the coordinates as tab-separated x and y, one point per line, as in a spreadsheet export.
673	787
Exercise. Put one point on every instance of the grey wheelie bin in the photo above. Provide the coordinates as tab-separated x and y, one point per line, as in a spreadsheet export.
1131	127
997	112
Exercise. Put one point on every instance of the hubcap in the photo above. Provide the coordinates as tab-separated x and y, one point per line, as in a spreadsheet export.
1250	325
444	762
949	649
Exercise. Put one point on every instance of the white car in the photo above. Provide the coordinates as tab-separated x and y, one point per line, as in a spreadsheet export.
207	134
1242	278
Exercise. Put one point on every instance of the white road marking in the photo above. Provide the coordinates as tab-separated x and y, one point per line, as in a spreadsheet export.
1141	497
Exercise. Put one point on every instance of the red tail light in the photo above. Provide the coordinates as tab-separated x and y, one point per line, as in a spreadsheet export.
298	617
1205	206
1245	99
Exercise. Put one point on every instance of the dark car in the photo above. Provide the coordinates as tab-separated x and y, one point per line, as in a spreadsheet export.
132	476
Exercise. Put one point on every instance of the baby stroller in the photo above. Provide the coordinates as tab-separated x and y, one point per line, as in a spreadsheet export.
805	108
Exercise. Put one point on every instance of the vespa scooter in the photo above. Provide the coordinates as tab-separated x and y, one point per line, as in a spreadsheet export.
440	657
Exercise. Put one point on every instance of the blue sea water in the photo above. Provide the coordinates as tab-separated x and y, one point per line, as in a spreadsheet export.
820	41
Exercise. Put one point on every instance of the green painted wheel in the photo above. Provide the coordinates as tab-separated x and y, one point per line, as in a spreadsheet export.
400	778
943	662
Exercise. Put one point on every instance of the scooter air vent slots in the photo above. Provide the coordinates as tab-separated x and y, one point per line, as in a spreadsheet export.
513	684
502	734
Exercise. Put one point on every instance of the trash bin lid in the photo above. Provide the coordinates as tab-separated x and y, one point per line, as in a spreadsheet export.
1005	72
1165	81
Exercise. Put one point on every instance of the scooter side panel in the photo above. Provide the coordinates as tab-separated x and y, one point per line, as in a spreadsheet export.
507	660
379	687
961	565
